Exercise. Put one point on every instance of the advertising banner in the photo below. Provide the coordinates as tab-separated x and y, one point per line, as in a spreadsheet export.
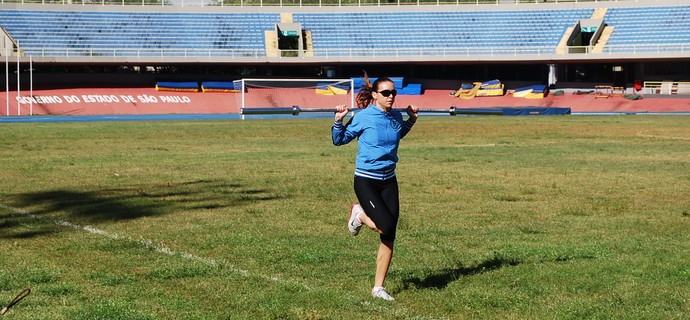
96	101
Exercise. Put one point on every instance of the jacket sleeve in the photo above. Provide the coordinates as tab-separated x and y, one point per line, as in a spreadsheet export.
406	127
343	134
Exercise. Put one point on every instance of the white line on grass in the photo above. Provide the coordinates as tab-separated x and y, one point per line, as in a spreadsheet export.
150	244
640	134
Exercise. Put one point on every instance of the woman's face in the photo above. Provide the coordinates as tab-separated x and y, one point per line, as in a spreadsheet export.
385	95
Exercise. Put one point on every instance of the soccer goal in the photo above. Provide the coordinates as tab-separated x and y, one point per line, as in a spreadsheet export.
303	93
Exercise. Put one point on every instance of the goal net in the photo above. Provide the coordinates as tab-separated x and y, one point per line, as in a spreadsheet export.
304	93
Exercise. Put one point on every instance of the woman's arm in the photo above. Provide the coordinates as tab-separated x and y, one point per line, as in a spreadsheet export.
413	115
343	134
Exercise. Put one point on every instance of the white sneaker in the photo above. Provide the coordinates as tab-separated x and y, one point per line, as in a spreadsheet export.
354	224
380	292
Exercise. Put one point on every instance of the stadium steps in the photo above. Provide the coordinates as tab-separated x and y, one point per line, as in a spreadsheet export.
271	43
309	44
14	43
286	17
603	39
562	47
599	13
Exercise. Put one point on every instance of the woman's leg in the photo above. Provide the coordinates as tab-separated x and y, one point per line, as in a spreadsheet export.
380	202
383	261
390	196
368	222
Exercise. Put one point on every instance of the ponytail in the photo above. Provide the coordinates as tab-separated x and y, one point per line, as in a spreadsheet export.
364	96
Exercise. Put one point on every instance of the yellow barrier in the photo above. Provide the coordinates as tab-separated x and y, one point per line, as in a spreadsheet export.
330	91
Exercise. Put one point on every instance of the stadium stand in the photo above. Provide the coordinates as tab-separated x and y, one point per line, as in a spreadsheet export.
112	33
332	34
648	27
137	33
447	29
439	32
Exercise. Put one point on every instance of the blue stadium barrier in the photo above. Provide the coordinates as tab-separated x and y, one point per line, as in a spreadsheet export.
187	86
537	88
411	89
400	84
220	86
524	111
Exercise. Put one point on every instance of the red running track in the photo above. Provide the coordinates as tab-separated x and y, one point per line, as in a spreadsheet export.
104	101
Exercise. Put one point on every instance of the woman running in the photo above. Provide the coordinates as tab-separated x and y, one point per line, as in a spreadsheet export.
378	128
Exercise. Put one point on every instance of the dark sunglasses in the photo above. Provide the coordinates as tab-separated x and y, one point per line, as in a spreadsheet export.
387	93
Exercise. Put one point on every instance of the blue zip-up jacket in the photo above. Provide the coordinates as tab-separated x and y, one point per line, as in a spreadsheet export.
379	135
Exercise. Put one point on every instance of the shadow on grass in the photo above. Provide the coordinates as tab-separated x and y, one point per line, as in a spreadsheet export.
443	278
95	206
13	226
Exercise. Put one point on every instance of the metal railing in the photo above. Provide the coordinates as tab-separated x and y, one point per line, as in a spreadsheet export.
680	50
117	53
299	3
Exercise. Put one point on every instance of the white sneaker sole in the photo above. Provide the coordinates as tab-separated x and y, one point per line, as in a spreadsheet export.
352	223
382	294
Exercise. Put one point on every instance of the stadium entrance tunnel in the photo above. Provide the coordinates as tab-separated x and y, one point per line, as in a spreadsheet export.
291	40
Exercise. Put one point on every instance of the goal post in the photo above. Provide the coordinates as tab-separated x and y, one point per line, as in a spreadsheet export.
302	93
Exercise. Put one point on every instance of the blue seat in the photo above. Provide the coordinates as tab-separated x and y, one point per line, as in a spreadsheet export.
341	33
36	30
456	29
648	26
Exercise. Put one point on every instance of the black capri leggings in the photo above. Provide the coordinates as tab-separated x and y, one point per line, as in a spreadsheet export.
380	202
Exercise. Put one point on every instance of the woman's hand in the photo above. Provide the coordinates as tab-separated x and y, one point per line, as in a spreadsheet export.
341	112
413	112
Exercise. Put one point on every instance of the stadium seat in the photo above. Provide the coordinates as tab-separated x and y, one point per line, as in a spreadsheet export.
433	33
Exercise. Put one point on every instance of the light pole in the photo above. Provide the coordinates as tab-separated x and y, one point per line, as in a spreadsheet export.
7	77
31	86
19	95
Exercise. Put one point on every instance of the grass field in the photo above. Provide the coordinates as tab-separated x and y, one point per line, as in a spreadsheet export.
558	217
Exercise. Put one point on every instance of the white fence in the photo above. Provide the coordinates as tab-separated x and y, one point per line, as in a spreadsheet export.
677	50
300	3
